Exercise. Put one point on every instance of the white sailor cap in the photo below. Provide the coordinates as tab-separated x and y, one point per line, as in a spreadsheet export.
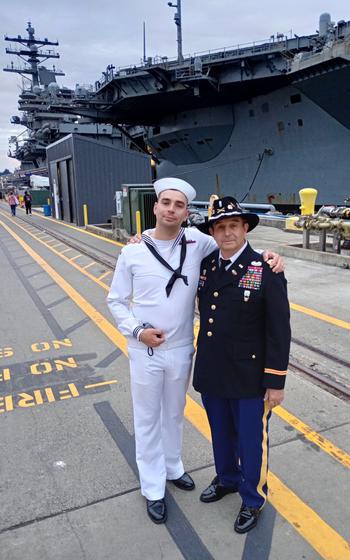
175	184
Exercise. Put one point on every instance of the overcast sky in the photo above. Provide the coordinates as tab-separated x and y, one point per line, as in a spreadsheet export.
95	33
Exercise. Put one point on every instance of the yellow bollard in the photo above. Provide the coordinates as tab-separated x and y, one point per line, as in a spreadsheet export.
138	222
85	208
211	202
308	199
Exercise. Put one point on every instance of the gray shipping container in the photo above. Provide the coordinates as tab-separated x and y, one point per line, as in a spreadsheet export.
89	171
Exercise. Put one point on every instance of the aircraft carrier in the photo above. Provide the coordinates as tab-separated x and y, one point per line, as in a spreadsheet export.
257	121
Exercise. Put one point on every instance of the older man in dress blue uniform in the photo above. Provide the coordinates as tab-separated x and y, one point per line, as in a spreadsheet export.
242	357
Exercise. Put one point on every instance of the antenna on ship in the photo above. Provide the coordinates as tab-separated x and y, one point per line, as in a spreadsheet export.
30	52
144	42
178	23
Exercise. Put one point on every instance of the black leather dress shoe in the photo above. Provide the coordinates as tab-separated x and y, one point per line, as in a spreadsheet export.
216	491
246	519
157	511
185	482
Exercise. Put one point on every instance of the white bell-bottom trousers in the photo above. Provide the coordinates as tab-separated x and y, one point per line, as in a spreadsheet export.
158	387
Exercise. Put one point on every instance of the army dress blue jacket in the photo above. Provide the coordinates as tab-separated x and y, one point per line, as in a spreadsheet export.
244	336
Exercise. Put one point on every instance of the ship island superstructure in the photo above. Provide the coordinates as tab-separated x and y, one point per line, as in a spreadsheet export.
39	92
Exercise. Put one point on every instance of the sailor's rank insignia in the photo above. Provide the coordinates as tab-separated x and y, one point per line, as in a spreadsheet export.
252	278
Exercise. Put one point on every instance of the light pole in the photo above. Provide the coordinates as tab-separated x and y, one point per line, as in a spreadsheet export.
177	19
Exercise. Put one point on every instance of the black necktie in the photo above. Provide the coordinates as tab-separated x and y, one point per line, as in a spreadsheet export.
223	265
176	273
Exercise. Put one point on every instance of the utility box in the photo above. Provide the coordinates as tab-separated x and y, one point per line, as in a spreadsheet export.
137	197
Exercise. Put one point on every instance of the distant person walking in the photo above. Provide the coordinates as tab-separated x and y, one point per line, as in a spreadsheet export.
13	202
28	202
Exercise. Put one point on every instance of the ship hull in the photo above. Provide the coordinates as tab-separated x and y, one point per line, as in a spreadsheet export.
284	139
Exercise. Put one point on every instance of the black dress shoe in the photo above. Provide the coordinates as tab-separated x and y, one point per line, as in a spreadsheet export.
157	511
216	491
185	482
246	519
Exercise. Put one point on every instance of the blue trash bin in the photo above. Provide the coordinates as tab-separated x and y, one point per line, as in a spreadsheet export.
47	210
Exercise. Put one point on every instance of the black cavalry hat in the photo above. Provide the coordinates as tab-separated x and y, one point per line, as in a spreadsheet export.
227	207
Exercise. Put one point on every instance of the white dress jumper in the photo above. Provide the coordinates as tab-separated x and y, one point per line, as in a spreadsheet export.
159	381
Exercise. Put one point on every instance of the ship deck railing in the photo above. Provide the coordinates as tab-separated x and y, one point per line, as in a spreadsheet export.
281	44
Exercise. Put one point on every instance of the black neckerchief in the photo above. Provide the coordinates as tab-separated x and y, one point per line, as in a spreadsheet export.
176	273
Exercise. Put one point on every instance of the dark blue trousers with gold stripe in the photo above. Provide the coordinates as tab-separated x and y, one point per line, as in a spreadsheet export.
239	429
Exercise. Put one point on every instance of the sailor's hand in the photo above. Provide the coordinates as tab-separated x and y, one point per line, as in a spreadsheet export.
135	239
152	337
274	260
274	397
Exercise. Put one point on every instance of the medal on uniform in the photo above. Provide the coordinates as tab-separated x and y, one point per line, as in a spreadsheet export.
246	295
252	278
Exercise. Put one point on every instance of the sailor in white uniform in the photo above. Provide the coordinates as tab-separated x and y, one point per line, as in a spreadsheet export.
152	301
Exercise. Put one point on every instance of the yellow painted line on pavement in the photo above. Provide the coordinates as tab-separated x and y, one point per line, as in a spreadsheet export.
64	224
295	306
66	259
61	223
322	316
76	257
310	434
105	274
105	326
321	536
64	251
101	384
88	265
